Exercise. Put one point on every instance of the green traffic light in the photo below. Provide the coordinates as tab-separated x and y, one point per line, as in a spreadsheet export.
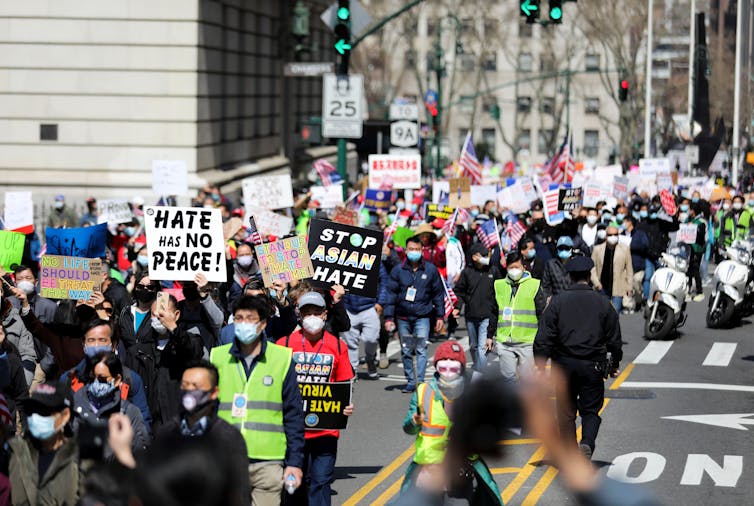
556	13
344	13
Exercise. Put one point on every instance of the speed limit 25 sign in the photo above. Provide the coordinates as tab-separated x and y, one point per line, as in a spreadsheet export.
341	106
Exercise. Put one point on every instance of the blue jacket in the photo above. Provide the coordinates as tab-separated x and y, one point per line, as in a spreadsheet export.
429	297
382	295
357	303
639	249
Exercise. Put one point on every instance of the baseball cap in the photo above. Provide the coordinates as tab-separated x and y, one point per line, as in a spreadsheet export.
48	398
311	299
565	241
579	264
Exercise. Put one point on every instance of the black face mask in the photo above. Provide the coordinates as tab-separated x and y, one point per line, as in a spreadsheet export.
144	295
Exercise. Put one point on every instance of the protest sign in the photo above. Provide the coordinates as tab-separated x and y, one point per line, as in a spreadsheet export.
114	211
269	223
550	200
19	212
169	177
328	197
664	181
513	198
324	402
654	166
605	175
84	242
75	278
284	260
231	227
592	194
569	198
620	187
482	193
686	233
11	248
184	241
395	171
438	189
345	255
459	192
439	211
530	193
267	192
377	200
346	216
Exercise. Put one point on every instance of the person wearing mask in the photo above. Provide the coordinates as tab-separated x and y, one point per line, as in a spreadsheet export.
589	230
16	332
613	273
703	205
415	294
114	290
657	231
476	290
61	215
430	417
555	278
91	216
580	346
540	232
312	345
736	223
519	304
241	271
688	215
531	261
255	373
638	245
44	464
199	312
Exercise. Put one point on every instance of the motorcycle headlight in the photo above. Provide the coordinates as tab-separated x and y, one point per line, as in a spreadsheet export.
682	264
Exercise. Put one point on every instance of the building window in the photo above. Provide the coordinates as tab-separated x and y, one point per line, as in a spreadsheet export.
547	105
467	104
525	30
467	25
490	61
592	62
431	26
524	139
411	58
524	62
523	104
488	138
467	62
592	105
48	132
546	63
544	138
490	27
431	59
591	143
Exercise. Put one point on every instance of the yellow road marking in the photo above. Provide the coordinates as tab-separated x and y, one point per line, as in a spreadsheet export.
381	476
504	470
522	475
622	377
510	442
389	493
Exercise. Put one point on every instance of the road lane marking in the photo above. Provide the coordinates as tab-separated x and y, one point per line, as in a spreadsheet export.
384	473
523	475
720	354
525	441
388	494
691	386
653	352
504	470
622	377
737	421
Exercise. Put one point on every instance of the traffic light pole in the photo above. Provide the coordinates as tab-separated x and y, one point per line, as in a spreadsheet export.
440	69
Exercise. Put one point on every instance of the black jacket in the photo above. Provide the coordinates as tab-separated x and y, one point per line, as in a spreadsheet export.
579	323
476	289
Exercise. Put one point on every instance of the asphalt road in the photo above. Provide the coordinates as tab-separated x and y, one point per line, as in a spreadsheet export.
695	460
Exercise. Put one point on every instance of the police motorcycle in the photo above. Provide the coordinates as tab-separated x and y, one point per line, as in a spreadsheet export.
732	285
668	288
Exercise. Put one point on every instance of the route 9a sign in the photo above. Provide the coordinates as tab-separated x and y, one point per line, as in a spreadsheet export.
404	134
342	106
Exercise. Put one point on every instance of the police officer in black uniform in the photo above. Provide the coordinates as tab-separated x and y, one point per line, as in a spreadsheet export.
577	331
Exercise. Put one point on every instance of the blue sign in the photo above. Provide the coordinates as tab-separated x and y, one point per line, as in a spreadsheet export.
377	200
430	98
86	242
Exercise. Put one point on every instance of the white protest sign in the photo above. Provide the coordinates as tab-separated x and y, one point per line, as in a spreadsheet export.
328	196
513	198
19	210
395	171
592	194
183	241
114	211
664	181
686	233
530	193
482	193
169	177
653	166
605	175
268	192
439	187
620	187
269	223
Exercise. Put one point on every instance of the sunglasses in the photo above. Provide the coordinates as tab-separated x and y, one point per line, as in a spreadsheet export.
107	310
454	369
564	248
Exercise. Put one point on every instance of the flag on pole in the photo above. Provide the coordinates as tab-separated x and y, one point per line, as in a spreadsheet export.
487	233
451	299
326	172
515	229
463	214
450	224
253	232
469	161
561	166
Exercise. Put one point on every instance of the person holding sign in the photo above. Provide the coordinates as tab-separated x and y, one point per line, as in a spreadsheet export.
689	215
321	358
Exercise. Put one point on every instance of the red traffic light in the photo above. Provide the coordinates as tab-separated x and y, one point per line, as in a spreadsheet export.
624	84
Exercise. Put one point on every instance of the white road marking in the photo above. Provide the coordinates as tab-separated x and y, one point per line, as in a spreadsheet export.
720	354
726	475
692	386
653	352
736	421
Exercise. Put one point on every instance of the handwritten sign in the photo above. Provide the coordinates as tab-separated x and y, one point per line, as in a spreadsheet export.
114	211
269	223
687	233
328	197
324	404
285	260
459	192
84	242
169	177
19	211
346	216
184	241
267	192
11	248
75	278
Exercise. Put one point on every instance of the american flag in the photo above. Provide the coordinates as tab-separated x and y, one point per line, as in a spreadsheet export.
469	161
515	229
450	224
450	299
550	202
487	233
463	214
560	168
253	232
327	173
390	230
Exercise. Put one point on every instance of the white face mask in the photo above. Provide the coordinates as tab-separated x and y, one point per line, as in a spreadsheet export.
313	324
601	234
612	240
244	261
726	206
26	286
158	326
484	260
737	206
591	219
515	274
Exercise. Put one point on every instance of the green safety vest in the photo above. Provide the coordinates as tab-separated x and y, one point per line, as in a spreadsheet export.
433	437
516	319
262	423
733	230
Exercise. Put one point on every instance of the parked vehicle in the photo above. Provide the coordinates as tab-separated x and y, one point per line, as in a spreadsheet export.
668	289
732	286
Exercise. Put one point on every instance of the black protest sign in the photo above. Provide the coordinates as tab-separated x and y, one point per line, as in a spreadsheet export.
439	211
569	199
324	404
345	255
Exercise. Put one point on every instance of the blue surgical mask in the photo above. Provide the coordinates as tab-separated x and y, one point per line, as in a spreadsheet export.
414	256
694	199
643	213
684	208
474	213
653	216
274	293
41	427
400	205
531	253
100	390
413	208
93	351
143	260
130	231
246	333
619	217
751	203
564	254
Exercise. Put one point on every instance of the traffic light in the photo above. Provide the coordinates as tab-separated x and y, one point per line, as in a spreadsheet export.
623	90
343	34
495	111
556	11
530	10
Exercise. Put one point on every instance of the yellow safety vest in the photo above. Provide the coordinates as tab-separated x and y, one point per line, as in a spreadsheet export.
517	319
433	437
262	422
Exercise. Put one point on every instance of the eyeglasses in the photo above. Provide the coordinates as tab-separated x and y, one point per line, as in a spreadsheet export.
564	248
451	369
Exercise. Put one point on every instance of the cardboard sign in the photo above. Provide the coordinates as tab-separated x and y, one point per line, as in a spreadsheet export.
169	177
114	211
267	192
620	188
231	227
346	255
284	260
395	171
19	211
439	211
482	193
11	248
269	223
686	233
459	192
569	198
74	278
346	216
324	404
377	200
184	241
84	242
329	197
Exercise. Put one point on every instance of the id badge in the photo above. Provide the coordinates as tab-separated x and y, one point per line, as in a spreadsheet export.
239	406
507	314
410	293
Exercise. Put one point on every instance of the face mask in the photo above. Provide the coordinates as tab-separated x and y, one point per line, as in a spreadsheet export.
157	326
474	213
515	274
413	208
246	333
751	203
694	199
601	234
26	286
607	217
726	207
313	324
564	254
683	217
612	240
653	216
100	390
209	206
41	427
451	388
93	351
400	205
143	260
738	206
591	219
619	217
684	207
274	293
194	400
484	260
414	256
58	204
144	295
129	231
531	254
643	213
244	261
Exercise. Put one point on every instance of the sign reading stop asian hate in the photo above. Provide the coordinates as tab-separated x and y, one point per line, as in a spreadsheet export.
75	278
